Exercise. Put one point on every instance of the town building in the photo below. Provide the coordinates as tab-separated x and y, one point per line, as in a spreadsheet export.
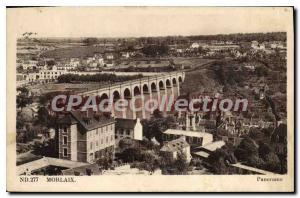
29	64
75	62
85	136
194	138
203	152
171	150
128	128
257	46
47	74
195	45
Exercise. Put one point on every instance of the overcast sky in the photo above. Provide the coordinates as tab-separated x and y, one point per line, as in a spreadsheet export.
142	21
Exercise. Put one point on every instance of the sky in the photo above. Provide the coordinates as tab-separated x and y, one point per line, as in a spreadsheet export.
145	21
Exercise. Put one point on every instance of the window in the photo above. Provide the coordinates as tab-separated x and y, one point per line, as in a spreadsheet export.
91	157
91	145
65	139
101	141
65	152
127	132
76	173
112	137
106	139
65	129
111	127
96	143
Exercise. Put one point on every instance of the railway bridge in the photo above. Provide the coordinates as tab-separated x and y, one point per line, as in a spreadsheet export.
154	87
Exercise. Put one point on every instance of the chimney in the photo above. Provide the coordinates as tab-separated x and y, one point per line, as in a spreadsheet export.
97	116
193	123
187	122
138	120
87	120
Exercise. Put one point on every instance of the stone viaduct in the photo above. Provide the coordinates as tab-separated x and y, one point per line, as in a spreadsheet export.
153	87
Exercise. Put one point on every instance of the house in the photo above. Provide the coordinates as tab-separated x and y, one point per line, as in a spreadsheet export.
29	64
85	136
90	59
249	67
109	56
100	61
204	151
195	45
128	128
257	46
75	62
21	79
50	74
194	138
66	67
171	150
125	54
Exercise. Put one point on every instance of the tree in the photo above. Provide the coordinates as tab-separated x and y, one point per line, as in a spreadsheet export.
50	62
157	113
130	155
246	149
220	159
46	148
181	164
261	71
44	118
128	143
23	99
257	135
156	126
272	162
155	50
90	41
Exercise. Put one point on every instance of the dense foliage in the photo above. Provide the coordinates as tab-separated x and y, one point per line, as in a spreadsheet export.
68	78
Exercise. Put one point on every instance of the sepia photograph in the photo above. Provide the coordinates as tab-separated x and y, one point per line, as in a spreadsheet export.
150	99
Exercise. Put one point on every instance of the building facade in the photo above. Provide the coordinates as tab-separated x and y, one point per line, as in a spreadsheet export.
86	137
128	128
194	138
174	148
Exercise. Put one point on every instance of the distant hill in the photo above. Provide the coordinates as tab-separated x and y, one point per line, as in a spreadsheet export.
247	37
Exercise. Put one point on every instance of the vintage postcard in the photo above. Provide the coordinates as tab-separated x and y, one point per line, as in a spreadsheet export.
150	99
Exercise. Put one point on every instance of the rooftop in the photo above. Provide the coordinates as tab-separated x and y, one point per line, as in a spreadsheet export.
213	146
125	123
90	120
187	133
202	154
47	161
82	170
175	145
253	169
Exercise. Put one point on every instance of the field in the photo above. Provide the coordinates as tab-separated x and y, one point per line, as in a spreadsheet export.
73	52
192	62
